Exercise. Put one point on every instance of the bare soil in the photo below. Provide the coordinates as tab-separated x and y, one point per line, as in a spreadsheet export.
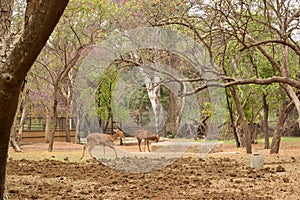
38	174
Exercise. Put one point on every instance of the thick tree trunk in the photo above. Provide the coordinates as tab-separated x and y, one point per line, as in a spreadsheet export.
14	66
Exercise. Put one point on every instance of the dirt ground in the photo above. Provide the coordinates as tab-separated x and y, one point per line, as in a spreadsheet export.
38	174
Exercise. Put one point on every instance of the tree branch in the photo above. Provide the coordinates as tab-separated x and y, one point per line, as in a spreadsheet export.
295	48
256	81
34	38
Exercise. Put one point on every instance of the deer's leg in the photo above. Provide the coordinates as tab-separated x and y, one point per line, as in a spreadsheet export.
84	147
113	148
139	143
104	150
145	144
91	147
148	145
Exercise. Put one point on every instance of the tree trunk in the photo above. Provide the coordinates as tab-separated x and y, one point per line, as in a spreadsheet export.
13	135
48	127
6	196
236	138
173	114
295	99
54	119
77	134
21	127
15	65
245	126
283	114
153	89
284	110
275	145
265	124
78	122
68	138
9	93
23	116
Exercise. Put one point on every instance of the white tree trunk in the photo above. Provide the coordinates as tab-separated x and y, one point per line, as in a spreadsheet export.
21	125
153	90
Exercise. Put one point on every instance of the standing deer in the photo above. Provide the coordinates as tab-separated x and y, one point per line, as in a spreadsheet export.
102	139
147	136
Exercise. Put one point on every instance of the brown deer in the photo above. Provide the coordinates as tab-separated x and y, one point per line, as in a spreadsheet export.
102	139
147	136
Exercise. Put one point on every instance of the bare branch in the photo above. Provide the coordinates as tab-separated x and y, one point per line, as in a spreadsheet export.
295	48
256	81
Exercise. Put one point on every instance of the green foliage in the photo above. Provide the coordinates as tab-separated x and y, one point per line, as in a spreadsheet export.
104	93
207	111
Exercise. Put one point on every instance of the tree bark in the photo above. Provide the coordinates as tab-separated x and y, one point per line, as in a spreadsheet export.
15	66
245	126
236	138
68	138
153	90
53	118
47	126
275	145
23	108
13	134
174	115
265	124
283	114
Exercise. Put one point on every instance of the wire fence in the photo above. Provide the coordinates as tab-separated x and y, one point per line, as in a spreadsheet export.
39	124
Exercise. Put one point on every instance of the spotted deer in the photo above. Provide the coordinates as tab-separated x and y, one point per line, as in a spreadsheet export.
102	139
146	136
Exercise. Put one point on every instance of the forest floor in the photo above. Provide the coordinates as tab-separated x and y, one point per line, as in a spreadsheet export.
36	173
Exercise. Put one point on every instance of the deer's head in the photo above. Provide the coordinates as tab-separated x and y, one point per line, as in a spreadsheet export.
119	133
157	138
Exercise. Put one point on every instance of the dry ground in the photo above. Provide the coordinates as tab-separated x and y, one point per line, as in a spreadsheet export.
38	174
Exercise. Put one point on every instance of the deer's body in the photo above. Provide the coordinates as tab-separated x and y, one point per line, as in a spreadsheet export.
146	136
102	139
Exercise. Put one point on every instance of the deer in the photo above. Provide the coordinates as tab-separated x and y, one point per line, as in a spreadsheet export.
102	139
147	136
